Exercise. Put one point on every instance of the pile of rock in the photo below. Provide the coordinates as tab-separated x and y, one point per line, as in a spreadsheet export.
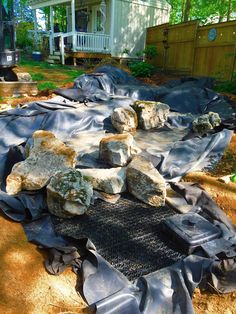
145	115
70	191
206	122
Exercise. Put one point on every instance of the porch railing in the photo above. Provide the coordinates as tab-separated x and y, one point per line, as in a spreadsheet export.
92	42
80	41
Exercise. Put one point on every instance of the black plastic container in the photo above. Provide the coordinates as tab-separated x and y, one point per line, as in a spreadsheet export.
190	231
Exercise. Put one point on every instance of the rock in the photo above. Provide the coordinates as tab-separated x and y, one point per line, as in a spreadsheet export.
151	114
68	194
225	179
24	77
108	198
117	150
145	182
124	120
47	156
111	181
206	122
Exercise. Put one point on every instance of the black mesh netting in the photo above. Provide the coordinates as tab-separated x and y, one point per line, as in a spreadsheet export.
127	234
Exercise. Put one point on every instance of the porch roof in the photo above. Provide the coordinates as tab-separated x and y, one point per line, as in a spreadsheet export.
38	4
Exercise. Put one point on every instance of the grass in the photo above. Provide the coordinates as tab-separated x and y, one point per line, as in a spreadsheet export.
49	76
37	76
47	85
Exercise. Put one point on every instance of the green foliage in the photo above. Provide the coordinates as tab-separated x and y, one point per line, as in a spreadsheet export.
233	178
37	76
126	51
73	74
40	64
46	86
206	11
23	40
227	87
141	69
150	52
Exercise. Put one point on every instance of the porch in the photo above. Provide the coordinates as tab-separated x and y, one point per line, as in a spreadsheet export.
87	28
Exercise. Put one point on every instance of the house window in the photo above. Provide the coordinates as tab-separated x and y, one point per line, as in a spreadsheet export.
99	27
82	20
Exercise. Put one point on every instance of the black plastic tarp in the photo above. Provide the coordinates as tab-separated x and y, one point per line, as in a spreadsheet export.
167	290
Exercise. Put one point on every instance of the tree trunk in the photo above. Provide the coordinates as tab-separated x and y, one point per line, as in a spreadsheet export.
229	10
187	8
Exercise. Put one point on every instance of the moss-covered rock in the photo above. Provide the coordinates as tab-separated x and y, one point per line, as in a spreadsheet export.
68	194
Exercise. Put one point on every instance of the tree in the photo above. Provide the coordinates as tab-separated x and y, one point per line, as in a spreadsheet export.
206	11
22	11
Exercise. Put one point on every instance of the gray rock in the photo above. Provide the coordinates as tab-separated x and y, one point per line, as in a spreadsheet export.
47	156
108	198
124	120
118	150
145	182
111	181
150	114
206	122
68	194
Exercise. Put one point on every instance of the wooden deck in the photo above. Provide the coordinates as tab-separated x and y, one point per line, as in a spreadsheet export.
86	55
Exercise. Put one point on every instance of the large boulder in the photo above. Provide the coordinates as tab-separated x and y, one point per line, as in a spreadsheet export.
145	182
150	114
111	181
118	150
124	120
47	156
68	194
206	122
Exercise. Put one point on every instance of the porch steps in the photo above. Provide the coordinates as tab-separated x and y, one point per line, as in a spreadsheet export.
55	58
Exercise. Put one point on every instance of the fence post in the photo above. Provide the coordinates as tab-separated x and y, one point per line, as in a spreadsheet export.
234	63
194	48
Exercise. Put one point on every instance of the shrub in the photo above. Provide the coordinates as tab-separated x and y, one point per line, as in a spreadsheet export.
23	39
226	87
141	69
150	52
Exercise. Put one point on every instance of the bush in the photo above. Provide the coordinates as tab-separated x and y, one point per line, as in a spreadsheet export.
23	39
226	87
141	69
150	52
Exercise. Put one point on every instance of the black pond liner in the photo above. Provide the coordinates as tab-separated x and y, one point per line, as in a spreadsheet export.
127	234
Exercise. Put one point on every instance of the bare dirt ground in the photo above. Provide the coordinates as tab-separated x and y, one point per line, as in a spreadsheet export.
26	287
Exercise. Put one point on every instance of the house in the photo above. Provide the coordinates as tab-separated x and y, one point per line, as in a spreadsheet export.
104	27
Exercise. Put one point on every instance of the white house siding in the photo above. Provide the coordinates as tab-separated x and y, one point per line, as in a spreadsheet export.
131	20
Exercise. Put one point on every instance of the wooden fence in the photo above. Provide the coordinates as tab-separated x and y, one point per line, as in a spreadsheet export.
190	49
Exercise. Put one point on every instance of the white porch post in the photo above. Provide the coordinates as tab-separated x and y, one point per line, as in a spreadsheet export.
103	12
73	24
112	26
51	38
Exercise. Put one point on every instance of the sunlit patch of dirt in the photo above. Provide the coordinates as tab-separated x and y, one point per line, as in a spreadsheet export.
224	195
25	286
